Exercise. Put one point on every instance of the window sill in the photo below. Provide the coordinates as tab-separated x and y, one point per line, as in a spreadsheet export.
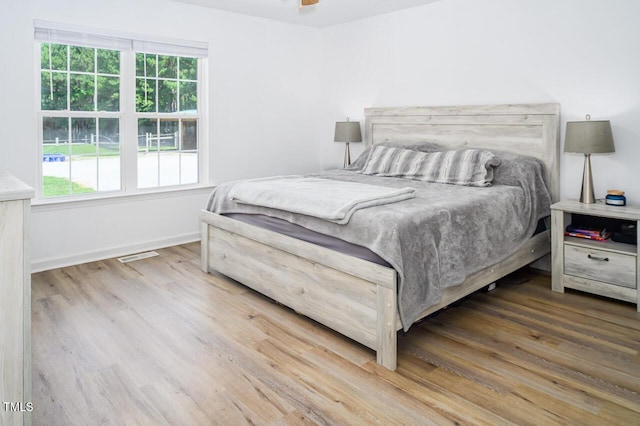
50	204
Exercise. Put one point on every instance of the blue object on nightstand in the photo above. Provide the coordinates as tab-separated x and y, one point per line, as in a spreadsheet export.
615	200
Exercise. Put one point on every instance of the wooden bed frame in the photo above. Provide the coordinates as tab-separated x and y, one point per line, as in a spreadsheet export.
358	298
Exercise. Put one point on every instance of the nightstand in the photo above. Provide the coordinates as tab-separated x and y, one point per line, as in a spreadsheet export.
606	268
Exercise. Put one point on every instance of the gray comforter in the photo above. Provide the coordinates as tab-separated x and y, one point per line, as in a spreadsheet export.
441	236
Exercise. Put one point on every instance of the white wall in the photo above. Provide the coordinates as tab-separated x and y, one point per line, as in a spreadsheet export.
583	54
263	108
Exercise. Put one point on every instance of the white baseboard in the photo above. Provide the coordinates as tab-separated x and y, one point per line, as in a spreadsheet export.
40	265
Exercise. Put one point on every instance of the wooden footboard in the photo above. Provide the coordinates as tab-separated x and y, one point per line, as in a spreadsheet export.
352	296
355	297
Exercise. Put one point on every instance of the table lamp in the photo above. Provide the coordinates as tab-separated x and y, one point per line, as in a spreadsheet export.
588	137
347	131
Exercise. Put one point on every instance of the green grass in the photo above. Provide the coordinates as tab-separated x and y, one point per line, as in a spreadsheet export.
88	149
79	149
154	149
57	186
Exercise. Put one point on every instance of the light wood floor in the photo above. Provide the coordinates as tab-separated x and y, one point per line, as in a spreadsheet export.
158	342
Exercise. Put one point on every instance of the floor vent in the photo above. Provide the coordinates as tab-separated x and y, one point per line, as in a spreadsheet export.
138	256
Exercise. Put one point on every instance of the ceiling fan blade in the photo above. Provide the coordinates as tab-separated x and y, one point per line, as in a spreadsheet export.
308	2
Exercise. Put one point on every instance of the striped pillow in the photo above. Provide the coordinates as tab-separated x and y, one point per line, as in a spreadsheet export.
469	167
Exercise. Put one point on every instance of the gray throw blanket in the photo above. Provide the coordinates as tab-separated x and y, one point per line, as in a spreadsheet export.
328	199
441	236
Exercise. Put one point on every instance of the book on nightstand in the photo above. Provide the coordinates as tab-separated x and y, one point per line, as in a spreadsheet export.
596	233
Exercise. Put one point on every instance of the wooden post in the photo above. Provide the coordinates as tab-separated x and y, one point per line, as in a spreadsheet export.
557	250
387	338
204	247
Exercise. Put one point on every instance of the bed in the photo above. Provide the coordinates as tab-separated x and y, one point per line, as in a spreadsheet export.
359	298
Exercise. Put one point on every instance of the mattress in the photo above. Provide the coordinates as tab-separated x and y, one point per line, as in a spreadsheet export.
295	231
292	230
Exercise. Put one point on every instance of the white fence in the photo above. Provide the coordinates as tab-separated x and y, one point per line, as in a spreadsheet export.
148	141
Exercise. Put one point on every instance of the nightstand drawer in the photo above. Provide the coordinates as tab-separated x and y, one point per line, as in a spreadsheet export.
600	265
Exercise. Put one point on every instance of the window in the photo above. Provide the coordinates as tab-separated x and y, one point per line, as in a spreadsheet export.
118	114
80	103
168	145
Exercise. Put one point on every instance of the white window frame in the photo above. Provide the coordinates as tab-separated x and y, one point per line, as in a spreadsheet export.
128	44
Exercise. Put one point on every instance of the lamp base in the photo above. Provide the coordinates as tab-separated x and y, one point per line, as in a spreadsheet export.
347	155
587	195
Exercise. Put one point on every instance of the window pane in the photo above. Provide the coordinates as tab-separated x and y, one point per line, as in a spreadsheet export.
55	133
108	61
109	129
146	65
83	132
53	91
84	155
140	64
188	167
188	69
108	143
189	135
147	153
189	154
108	93
167	96
82	59
147	135
53	56
82	89
151	70
188	96
169	155
145	95
55	157
169	138
167	66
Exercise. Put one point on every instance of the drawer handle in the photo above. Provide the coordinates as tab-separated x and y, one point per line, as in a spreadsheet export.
601	259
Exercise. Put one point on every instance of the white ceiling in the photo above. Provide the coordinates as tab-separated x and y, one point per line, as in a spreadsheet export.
325	13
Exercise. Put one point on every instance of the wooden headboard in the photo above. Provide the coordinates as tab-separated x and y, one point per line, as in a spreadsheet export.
529	129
